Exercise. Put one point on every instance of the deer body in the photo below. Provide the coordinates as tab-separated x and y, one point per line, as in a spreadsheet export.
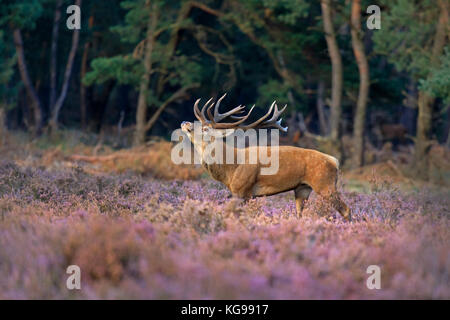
300	170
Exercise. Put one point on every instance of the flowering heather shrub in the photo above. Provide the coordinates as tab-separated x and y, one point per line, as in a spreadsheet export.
142	238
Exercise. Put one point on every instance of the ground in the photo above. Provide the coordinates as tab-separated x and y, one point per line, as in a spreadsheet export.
136	236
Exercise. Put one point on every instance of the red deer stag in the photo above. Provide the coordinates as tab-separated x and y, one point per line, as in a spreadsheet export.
301	170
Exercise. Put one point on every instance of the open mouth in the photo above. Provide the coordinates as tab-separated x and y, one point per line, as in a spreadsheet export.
186	126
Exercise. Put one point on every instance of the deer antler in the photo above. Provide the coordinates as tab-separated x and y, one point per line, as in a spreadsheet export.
274	121
220	116
215	118
200	115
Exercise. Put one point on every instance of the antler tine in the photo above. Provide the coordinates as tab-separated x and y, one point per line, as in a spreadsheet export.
273	122
210	116
220	116
204	108
233	124
237	117
276	124
197	112
217	115
257	122
276	114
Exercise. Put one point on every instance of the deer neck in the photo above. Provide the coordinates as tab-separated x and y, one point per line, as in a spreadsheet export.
219	171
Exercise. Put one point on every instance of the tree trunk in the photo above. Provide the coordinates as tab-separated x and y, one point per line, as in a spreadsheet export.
141	113
53	55
425	102
320	104
447	143
83	102
3	130
447	127
62	96
31	92
336	73
83	91
364	81
99	104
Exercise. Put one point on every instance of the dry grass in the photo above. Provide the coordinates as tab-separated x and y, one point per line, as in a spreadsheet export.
154	161
75	150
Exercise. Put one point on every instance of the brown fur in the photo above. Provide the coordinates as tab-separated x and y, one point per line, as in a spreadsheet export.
301	170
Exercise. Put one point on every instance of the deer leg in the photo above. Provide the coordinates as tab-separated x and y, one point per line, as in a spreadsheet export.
242	182
301	195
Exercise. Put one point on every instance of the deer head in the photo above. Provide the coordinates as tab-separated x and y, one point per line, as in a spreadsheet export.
212	125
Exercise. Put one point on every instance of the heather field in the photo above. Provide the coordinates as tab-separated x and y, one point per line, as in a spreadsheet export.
135	236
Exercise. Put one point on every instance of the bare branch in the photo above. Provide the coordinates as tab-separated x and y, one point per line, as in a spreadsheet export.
180	93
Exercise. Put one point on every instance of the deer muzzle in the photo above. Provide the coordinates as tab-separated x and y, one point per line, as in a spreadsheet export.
187	126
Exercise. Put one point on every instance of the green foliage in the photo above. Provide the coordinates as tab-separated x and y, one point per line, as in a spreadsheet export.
438	84
406	35
273	88
188	71
128	68
135	21
7	60
20	13
288	11
124	69
275	23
